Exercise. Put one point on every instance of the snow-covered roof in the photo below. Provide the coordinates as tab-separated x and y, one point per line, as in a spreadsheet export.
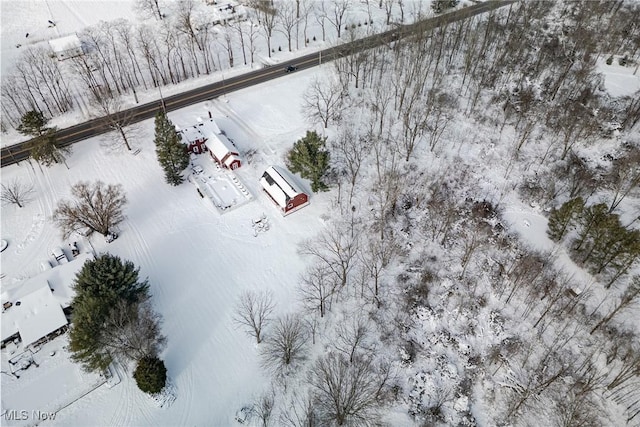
280	188
37	312
210	127
230	160
220	146
191	134
65	43
38	315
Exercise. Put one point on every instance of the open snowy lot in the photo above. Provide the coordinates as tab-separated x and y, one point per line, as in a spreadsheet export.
197	261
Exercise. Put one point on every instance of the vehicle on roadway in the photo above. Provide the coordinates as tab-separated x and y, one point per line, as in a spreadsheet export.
290	69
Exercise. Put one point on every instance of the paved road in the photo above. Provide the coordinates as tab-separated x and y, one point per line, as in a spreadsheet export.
19	152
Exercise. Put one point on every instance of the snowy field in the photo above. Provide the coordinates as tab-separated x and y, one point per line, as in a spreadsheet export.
197	261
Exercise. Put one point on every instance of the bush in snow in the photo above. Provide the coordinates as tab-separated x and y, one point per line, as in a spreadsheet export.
150	375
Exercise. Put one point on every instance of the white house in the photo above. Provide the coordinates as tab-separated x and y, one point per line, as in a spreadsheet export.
66	47
35	308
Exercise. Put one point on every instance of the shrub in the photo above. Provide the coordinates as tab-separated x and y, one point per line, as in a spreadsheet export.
150	375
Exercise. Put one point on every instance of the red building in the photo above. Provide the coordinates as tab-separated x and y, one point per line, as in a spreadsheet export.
193	138
223	151
281	189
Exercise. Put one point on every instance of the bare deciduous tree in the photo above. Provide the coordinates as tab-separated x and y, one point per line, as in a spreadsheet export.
149	8
323	102
629	297
349	152
338	10
132	331
16	192
336	248
254	311
263	408
300	412
352	335
288	19
625	177
286	345
267	17
317	286
115	116
347	393
95	207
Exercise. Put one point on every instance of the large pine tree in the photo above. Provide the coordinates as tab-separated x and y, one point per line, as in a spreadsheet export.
44	147
310	159
562	220
172	154
100	285
33	123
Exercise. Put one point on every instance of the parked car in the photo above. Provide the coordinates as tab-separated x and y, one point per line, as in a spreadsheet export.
291	69
111	237
59	255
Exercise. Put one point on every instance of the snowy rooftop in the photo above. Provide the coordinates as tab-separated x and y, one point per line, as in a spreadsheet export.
191	134
210	127
38	315
65	43
220	146
42	299
273	180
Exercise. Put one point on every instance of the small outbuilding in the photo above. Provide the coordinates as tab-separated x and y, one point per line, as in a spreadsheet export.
66	47
283	191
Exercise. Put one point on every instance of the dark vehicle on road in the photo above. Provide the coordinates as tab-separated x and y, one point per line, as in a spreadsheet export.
290	69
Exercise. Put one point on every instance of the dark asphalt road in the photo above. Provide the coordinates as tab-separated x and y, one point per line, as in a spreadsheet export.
18	152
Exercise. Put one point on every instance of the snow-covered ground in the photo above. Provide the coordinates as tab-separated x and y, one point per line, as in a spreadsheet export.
197	260
26	22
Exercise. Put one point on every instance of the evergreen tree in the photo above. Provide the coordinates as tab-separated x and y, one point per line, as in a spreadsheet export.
563	219
310	159
33	123
44	147
100	285
172	154
150	375
590	218
46	151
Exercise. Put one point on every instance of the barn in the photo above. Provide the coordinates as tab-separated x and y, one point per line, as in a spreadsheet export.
66	47
279	186
223	151
193	138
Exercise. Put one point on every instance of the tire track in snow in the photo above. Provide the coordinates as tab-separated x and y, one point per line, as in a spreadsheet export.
230	113
184	392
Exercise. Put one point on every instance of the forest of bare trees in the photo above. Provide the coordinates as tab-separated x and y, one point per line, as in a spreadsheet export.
420	276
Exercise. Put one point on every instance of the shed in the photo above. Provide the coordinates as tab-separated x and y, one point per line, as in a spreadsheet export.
282	190
66	47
